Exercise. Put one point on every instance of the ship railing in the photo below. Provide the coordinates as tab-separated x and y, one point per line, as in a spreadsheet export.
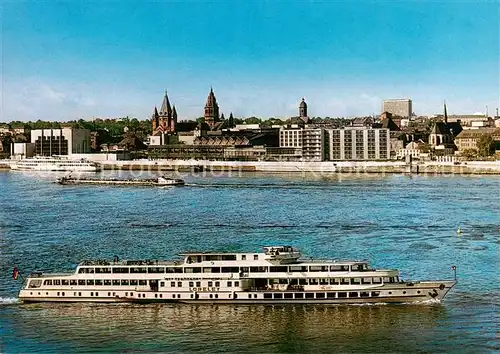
46	275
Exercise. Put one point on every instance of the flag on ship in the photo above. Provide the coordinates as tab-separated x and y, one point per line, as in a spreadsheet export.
15	273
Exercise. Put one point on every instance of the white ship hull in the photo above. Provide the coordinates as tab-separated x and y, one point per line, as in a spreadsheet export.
54	164
399	293
277	276
55	168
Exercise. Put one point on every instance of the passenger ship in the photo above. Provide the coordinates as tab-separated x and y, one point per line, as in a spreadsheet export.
55	163
278	275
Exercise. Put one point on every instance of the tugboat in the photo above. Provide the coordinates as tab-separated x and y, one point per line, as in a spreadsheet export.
276	276
160	181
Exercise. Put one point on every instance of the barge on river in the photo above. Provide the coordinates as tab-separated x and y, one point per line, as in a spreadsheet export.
158	181
276	276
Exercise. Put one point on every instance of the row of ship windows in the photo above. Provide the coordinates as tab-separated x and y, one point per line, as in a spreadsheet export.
339	295
62	293
126	282
329	295
275	269
307	295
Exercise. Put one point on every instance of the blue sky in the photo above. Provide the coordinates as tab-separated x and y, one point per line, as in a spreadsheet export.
82	59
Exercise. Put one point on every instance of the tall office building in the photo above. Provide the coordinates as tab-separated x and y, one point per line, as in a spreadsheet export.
398	107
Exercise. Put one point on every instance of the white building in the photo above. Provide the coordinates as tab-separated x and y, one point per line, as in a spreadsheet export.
291	136
311	141
64	141
412	149
363	143
22	150
313	144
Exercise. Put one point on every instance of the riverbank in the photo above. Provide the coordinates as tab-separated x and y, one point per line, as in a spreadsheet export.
324	167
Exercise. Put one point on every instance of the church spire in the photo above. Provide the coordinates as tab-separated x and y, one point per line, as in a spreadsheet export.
211	109
154	119
166	109
173	122
445	113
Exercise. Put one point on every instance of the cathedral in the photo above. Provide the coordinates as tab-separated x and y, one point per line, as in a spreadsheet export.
211	110
165	121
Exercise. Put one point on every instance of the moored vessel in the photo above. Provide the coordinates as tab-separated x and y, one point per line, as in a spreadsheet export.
277	275
55	164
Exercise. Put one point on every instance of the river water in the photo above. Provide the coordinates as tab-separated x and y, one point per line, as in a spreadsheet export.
395	221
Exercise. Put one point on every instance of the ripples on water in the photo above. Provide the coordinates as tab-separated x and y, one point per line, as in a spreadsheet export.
393	221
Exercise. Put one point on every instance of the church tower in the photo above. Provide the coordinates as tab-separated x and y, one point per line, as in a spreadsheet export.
303	109
164	121
173	123
165	112
211	109
155	119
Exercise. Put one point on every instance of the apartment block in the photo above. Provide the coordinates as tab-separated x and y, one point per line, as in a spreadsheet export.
358	144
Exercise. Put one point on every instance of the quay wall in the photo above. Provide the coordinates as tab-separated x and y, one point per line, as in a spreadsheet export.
469	167
429	167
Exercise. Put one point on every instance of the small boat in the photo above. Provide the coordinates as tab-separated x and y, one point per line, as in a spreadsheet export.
160	181
279	275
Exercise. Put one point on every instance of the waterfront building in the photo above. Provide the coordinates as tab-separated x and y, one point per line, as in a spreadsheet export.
186	152
364	143
245	153
283	153
313	144
22	150
401	107
442	136
291	136
63	141
468	138
412	149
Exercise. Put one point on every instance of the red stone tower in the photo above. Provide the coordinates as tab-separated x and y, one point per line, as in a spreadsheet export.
164	121
211	109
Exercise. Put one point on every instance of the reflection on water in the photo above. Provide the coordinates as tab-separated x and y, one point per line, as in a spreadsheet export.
231	328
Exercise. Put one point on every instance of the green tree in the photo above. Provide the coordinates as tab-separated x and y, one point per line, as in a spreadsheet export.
252	120
6	142
424	147
485	145
469	154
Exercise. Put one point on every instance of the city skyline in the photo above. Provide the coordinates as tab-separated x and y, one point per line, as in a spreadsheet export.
65	61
